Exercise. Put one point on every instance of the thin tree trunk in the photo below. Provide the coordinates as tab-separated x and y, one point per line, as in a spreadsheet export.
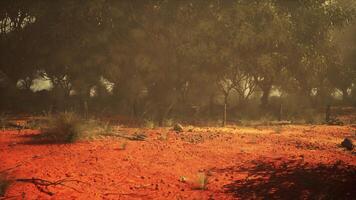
225	111
327	113
280	113
266	90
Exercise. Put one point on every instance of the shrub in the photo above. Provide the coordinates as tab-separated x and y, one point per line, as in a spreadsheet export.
64	127
168	122
202	181
149	124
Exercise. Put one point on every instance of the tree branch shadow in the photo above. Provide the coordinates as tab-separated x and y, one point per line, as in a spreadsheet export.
294	179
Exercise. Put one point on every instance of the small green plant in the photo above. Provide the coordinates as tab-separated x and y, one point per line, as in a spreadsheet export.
149	124
4	184
123	146
202	181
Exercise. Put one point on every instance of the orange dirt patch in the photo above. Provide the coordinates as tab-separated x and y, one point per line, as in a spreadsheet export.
290	162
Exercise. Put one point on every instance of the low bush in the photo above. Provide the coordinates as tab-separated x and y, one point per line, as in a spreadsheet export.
65	127
149	124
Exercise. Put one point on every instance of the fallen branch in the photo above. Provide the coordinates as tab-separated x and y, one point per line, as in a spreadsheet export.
42	185
11	168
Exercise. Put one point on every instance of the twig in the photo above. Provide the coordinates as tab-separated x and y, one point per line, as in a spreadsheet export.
11	168
42	185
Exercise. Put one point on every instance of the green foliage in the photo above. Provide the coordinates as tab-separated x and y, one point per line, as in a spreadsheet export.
158	59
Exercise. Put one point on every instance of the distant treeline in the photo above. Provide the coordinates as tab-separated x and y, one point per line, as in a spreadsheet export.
182	59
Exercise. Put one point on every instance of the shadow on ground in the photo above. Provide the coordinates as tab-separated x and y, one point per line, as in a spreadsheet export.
40	139
293	179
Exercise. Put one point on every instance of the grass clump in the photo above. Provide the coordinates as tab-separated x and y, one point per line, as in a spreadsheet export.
65	127
168	122
202	181
68	127
149	124
4	184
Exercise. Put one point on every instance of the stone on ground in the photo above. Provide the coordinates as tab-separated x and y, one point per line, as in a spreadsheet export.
178	128
347	143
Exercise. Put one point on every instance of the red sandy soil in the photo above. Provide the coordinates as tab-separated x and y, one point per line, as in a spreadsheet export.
291	162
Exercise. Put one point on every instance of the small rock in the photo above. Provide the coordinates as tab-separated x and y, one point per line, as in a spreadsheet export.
347	143
178	128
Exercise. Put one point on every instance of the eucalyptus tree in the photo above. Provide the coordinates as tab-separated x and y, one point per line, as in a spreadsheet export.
310	47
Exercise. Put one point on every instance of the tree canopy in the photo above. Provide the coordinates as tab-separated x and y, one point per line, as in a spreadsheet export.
175	58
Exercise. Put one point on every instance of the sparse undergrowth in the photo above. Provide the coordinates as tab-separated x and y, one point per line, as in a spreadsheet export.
149	124
68	128
202	181
65	127
3	120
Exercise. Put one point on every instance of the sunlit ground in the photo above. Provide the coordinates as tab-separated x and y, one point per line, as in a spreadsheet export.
273	162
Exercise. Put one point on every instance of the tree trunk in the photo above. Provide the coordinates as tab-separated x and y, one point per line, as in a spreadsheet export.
327	113
225	111
211	104
86	109
280	112
266	90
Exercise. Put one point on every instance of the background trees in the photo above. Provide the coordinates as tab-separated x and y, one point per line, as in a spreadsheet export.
162	59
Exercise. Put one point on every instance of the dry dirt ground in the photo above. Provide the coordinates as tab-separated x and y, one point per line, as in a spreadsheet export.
286	162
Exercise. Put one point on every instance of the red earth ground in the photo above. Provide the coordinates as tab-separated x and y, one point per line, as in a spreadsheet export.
284	162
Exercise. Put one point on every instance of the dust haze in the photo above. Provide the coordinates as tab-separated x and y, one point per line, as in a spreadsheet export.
235	78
